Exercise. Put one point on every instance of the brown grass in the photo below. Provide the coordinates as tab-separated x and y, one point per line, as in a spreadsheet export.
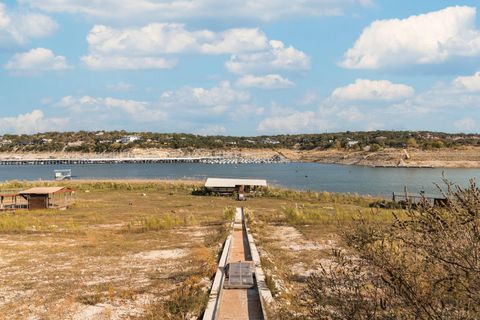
131	249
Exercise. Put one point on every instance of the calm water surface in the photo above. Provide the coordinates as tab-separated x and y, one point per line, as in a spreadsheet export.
305	176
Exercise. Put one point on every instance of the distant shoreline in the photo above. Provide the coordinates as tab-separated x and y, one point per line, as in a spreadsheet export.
467	157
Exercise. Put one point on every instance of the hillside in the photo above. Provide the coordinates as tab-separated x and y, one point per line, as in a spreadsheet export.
379	148
122	141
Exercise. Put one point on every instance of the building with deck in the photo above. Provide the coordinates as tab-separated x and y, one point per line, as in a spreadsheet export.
37	198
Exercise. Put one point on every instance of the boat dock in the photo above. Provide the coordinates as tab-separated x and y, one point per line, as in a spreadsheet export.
73	161
239	291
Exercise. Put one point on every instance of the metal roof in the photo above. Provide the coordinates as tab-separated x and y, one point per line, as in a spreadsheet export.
45	190
231	183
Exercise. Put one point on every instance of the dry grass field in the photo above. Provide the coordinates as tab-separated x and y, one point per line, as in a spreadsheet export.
148	250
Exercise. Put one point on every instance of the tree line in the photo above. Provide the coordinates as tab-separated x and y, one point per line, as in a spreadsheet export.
111	141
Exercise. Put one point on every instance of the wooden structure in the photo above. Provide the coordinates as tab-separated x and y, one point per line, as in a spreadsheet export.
231	186
48	197
414	199
9	201
37	198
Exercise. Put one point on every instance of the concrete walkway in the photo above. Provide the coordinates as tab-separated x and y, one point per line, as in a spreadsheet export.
240	304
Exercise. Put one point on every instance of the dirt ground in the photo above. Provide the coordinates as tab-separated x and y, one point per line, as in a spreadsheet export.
96	261
126	245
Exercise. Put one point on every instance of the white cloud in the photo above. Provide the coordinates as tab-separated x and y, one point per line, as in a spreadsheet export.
201	101
213	130
152	46
18	28
185	9
460	94
235	41
120	86
270	81
169	38
173	108
32	122
465	125
36	61
277	57
468	83
428	38
371	90
111	108
98	62
298	122
246	111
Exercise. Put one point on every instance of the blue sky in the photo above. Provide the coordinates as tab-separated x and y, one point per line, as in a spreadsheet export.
240	68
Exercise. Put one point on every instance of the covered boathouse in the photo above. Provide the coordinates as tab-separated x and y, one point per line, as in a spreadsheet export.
38	198
231	186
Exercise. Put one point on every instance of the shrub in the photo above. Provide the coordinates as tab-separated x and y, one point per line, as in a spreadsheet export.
165	222
229	213
425	265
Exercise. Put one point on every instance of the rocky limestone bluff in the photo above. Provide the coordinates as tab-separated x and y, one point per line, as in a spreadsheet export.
460	157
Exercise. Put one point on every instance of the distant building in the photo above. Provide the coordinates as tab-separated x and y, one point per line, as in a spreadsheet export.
270	141
78	143
352	143
4	142
129	139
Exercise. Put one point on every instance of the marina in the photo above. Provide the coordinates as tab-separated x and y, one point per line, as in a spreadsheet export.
206	160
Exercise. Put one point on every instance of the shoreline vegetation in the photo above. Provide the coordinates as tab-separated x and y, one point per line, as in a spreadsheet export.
374	149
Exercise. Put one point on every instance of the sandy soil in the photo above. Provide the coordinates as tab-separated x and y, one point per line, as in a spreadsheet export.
468	157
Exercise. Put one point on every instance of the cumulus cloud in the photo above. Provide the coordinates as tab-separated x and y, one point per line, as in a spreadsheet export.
152	47
185	105
36	61
297	122
19	28
270	81
371	90
183	9
98	62
168	38
32	122
109	108
277	57
423	39
120	86
213	130
468	83
204	102
461	93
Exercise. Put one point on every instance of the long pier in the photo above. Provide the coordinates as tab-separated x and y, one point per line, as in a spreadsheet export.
239	299
73	161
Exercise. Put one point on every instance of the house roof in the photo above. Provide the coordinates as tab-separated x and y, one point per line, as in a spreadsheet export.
231	183
45	190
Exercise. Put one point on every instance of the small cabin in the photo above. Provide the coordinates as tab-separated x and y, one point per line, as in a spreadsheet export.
48	197
231	186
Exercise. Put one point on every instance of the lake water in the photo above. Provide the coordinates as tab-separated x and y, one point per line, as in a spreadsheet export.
304	176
